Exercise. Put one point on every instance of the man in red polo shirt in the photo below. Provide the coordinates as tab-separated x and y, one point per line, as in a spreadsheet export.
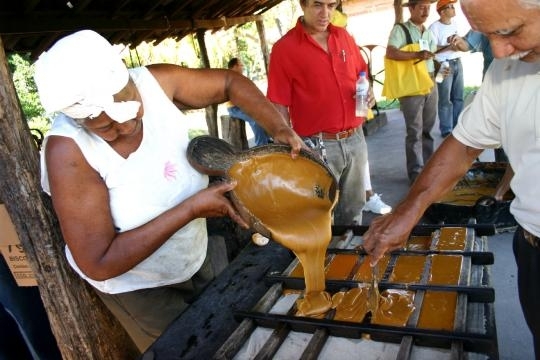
312	80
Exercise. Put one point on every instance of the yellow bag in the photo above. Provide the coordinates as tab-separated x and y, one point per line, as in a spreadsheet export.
404	77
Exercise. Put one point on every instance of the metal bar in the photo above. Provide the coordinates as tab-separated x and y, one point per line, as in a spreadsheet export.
477	257
421	229
343	239
474	293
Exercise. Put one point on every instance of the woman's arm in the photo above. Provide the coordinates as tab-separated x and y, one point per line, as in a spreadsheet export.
198	88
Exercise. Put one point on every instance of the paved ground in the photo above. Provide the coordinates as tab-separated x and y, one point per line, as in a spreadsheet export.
388	176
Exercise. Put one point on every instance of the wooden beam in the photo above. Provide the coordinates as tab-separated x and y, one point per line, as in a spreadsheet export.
224	22
47	24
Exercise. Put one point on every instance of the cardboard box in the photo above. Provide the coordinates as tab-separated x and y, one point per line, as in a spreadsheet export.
13	252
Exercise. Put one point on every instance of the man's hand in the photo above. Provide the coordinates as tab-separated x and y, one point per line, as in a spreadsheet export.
424	55
386	233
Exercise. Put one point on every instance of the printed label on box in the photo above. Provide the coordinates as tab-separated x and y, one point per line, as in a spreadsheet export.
18	264
13	252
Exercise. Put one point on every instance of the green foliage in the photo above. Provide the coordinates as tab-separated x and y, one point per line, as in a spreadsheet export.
240	41
23	79
192	133
387	104
167	51
468	89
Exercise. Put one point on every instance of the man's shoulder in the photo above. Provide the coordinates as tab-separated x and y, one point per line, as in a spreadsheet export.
400	28
289	41
292	35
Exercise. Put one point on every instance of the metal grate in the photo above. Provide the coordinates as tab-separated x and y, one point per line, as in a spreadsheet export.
473	334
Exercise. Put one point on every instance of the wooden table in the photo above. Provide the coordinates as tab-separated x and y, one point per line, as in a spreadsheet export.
206	324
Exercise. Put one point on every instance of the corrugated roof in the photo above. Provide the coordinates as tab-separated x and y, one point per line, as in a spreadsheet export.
34	25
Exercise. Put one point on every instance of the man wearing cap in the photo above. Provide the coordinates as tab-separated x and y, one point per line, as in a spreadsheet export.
131	208
505	112
451	88
420	111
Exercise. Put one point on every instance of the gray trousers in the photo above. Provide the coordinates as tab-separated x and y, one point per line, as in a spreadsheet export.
420	113
347	160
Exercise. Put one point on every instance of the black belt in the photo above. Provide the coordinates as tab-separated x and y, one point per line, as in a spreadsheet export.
533	240
453	60
338	136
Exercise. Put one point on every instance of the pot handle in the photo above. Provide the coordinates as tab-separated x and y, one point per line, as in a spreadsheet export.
210	155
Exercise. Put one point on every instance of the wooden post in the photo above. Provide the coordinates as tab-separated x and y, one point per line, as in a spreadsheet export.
398	9
211	111
83	327
234	132
264	44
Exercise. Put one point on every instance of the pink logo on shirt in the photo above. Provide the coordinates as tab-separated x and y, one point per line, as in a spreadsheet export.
169	172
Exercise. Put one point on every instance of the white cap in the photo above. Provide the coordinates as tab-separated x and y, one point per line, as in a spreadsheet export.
80	74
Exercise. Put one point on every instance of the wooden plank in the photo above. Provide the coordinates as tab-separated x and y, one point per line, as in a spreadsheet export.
237	339
206	325
315	345
233	131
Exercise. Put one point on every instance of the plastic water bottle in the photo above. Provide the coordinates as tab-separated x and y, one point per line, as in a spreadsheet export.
442	71
362	89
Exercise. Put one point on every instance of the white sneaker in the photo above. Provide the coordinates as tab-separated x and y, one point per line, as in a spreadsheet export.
376	205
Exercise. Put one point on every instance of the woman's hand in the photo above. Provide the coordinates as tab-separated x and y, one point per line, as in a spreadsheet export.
212	202
286	135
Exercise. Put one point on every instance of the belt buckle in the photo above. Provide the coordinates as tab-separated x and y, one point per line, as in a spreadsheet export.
345	134
531	239
342	135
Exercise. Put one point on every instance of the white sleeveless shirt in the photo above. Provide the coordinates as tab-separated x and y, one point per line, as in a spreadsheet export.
153	179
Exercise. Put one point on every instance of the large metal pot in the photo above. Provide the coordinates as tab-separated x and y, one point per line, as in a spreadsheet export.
216	157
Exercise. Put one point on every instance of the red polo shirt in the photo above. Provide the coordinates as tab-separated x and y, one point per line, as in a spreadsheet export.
317	86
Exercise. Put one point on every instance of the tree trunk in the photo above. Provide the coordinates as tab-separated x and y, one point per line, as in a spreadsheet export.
264	44
83	327
211	111
398	9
